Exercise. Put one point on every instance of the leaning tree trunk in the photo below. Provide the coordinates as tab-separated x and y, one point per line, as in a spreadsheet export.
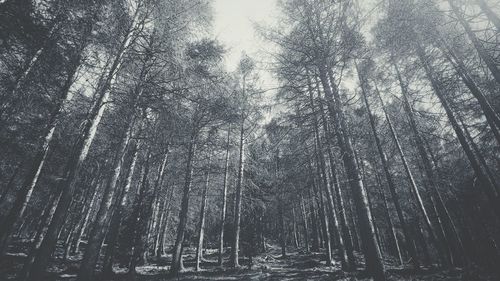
224	198
345	242
409	239
328	211
116	220
77	158
23	196
103	219
486	184
390	225
28	67
491	116
479	155
373	257
413	188
440	208
483	53
201	226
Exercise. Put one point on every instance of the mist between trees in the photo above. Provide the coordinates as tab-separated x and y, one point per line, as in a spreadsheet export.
129	151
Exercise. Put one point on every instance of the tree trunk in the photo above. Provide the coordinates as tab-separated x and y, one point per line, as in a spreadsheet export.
306	227
373	257
140	217
486	184
413	187
314	225
26	70
117	217
345	241
163	230
77	158
177	263
390	181
294	229
282	229
490	114
392	230
201	226
87	218
483	53
224	198
101	224
239	189
23	196
479	156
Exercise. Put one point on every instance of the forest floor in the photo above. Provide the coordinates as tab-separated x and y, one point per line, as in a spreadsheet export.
267	266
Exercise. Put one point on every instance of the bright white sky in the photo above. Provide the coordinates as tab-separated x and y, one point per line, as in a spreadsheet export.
233	26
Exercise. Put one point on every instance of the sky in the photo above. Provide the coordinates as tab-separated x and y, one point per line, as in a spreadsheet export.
233	26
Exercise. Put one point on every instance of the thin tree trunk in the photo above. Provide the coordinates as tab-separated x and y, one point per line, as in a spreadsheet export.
201	226
373	257
101	224
239	189
306	227
392	230
117	218
390	181
345	241
224	198
413	186
163	232
140	215
177	263
440	210
294	229
314	225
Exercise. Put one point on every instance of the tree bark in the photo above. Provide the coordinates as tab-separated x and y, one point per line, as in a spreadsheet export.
23	196
306	227
117	218
224	198
177	263
239	189
79	155
103	219
390	181
201	226
345	241
373	257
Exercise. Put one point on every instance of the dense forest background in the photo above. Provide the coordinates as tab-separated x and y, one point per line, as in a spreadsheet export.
129	151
